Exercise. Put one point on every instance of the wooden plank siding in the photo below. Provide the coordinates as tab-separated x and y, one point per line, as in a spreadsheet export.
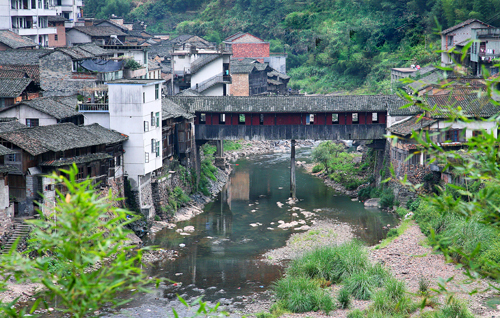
277	126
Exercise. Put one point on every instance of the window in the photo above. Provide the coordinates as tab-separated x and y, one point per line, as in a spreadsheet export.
309	119
414	160
262	119
153	146
146	125
157	91
14	157
158	148
146	157
374	117
450	40
157	119
32	122
222	118
143	97
453	135
477	133
355	118
399	156
203	118
55	37
152	119
335	118
241	119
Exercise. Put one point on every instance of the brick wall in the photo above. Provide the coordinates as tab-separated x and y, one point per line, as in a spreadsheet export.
240	85
61	36
57	77
255	50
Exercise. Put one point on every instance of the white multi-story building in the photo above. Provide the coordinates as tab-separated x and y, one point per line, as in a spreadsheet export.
135	110
31	17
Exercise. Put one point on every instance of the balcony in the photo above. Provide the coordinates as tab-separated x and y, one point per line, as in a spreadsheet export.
217	79
35	31
488	33
127	73
32	12
93	107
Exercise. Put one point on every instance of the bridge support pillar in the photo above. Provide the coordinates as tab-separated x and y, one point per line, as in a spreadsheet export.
220	148
293	185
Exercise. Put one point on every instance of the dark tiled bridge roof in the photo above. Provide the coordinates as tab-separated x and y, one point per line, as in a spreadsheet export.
289	104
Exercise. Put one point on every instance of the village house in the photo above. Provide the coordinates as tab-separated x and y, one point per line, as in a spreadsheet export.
12	41
249	77
26	61
105	35
68	71
177	133
450	135
59	38
45	111
14	90
245	45
43	149
277	83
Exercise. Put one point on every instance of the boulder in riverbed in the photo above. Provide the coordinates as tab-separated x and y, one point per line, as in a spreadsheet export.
372	203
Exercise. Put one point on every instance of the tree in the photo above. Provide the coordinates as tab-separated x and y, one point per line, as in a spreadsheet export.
81	252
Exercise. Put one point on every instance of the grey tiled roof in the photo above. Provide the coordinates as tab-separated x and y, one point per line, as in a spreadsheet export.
12	73
188	92
11	126
21	57
5	151
59	137
432	79
13	87
94	49
52	106
472	105
7	168
76	160
234	36
466	22
289	104
114	24
104	135
172	110
415	123
56	18
275	73
15	41
99	30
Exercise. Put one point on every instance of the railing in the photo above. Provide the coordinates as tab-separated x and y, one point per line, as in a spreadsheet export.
93	107
217	79
490	32
202	61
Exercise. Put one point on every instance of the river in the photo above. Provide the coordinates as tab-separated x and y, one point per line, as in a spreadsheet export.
221	258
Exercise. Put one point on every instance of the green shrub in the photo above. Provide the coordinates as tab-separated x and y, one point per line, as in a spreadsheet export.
301	294
423	285
318	168
332	263
387	198
364	194
344	298
356	313
392	300
230	145
392	233
132	65
455	309
402	212
208	149
361	285
413	204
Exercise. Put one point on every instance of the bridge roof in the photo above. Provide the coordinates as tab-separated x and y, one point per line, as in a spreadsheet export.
289	104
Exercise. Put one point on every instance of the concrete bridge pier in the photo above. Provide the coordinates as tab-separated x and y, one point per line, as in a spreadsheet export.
220	148
219	154
293	186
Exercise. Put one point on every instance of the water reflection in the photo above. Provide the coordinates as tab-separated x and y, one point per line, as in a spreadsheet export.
242	224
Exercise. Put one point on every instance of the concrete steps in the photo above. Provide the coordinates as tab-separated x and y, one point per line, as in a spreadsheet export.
21	230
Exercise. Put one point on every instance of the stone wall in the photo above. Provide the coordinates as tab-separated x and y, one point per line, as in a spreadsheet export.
146	198
57	77
117	186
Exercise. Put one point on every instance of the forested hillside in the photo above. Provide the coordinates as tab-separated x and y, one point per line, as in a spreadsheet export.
332	45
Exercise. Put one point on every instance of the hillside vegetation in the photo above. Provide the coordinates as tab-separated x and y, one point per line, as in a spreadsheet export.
332	45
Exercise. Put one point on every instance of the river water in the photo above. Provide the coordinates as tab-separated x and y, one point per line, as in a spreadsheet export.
221	258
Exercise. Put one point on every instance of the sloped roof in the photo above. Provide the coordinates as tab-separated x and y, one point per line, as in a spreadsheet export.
11	126
284	104
5	151
21	57
114	24
56	18
13	87
472	105
59	137
51	106
274	73
99	30
415	123
234	36
432	78
247	65
12	73
94	49
33	71
172	110
76	160
466	22
153	65
188	92
104	135
15	41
